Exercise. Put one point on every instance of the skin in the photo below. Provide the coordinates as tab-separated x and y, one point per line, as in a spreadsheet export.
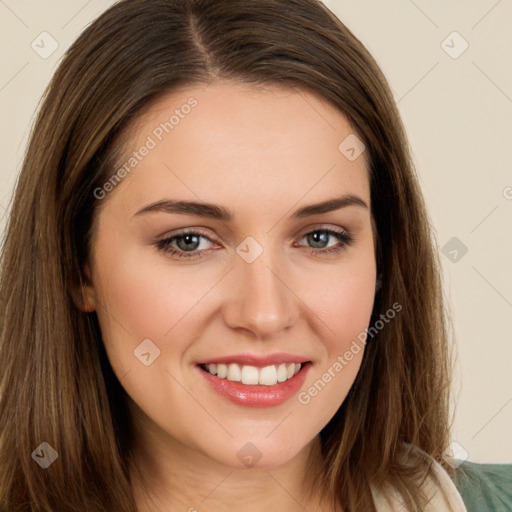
261	153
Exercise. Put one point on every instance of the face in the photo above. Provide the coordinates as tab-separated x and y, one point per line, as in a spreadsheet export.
241	237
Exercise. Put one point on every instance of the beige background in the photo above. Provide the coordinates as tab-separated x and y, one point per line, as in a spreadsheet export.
457	113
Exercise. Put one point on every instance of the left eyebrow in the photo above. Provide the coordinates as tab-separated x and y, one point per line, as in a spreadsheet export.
330	206
221	213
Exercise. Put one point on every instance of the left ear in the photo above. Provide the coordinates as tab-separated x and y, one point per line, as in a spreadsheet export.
85	297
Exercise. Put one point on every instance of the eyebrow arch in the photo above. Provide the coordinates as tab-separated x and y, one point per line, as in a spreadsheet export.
221	213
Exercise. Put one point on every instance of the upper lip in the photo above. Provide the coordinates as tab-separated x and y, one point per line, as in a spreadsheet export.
257	360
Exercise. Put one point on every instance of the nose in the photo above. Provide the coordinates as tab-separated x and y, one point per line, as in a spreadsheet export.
260	299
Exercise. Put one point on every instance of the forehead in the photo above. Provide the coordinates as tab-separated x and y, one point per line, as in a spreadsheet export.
233	143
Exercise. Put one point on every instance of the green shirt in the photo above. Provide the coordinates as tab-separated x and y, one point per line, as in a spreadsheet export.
485	487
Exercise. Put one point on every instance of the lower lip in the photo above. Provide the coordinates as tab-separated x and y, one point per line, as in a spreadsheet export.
257	395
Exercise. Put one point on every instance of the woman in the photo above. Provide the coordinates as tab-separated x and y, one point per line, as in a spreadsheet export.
218	282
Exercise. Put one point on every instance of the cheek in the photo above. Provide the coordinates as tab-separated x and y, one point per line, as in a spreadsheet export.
147	307
342	297
141	298
346	307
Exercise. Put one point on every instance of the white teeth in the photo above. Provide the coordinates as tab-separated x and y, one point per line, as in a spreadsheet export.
282	373
234	373
268	376
251	375
222	371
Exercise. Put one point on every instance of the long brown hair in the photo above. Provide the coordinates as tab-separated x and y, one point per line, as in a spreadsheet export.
56	383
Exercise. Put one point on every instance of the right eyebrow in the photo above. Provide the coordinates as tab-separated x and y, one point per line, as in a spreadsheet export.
187	208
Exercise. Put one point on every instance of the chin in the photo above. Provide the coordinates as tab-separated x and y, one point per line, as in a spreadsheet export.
259	454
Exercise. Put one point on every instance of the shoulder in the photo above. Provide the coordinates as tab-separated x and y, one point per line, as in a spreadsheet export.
474	488
438	489
485	487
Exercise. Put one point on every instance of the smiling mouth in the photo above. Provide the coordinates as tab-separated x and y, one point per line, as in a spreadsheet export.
252	375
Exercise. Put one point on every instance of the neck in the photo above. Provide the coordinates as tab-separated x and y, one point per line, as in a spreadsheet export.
169	476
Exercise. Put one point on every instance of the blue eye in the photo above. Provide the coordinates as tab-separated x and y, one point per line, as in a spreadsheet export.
185	245
319	241
191	244
320	238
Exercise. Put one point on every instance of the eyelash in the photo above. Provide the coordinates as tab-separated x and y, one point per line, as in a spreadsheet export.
344	237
